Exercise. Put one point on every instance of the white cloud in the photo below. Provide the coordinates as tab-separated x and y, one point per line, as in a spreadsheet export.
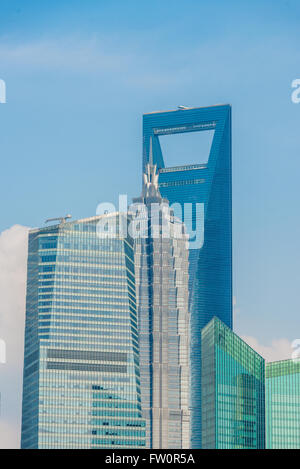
93	55
65	53
279	349
9	435
13	257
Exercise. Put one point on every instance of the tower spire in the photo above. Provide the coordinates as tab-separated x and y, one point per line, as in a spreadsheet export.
150	189
150	152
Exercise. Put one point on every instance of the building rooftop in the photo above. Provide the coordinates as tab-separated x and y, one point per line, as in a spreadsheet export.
186	109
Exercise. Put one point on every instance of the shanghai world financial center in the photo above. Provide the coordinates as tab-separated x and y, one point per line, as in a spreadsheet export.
128	339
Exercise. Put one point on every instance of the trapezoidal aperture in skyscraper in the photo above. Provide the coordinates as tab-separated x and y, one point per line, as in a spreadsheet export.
206	182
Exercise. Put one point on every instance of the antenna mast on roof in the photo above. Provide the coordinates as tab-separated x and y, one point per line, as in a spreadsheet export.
60	219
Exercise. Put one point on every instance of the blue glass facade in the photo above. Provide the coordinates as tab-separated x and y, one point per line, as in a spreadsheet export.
210	265
81	384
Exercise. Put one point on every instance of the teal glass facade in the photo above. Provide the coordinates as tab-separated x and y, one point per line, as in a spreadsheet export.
233	391
283	405
210	265
81	384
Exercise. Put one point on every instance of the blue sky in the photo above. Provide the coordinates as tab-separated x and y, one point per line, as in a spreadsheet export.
79	76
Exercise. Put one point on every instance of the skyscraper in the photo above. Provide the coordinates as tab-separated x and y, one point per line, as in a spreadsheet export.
283	405
207	182
81	386
161	258
233	391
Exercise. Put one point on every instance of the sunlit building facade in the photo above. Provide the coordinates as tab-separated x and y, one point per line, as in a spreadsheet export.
204	184
233	391
81	386
283	404
161	259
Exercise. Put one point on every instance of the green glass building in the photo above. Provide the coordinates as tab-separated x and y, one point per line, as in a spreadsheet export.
81	383
283	405
233	394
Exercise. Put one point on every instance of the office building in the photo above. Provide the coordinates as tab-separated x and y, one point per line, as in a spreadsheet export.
283	404
81	385
233	391
161	259
205	184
